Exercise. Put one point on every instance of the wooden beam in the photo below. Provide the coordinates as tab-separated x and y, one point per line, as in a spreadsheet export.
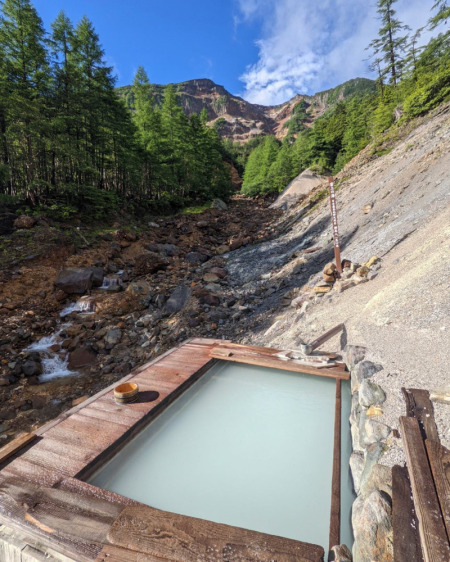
251	357
111	553
433	536
418	405
335	515
326	336
15	445
439	458
188	539
404	520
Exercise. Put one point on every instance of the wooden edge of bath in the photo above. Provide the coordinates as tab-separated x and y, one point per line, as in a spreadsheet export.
82	525
265	357
335	511
16	445
75	456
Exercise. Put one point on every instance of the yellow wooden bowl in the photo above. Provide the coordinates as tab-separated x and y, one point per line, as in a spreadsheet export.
126	393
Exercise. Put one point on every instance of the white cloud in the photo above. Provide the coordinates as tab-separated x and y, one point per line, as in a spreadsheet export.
306	47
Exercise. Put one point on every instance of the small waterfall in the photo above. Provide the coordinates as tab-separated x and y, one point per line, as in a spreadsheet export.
112	283
54	363
55	366
85	305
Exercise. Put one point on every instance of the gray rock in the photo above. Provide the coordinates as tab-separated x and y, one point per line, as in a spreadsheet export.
177	299
371	457
370	394
113	336
97	276
356	468
371	520
363	370
353	354
75	280
4	381
219	204
341	553
195	258
379	479
32	368
371	431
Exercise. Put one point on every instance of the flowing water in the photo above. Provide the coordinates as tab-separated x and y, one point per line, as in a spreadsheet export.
246	446
54	363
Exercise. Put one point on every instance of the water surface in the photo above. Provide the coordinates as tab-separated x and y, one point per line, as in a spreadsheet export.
246	446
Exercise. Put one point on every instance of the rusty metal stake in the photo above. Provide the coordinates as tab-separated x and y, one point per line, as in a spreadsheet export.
334	221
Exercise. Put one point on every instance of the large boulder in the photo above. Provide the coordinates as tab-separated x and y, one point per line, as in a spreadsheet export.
81	357
24	221
371	520
219	204
97	276
148	263
32	368
177	299
75	280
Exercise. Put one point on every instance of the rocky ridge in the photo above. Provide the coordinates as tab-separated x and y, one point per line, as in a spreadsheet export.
239	120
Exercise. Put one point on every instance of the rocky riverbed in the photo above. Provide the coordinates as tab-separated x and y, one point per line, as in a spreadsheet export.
248	273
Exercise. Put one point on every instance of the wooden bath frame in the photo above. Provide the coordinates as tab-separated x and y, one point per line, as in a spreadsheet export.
44	497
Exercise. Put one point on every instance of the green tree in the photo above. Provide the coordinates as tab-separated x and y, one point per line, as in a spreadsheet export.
390	45
25	85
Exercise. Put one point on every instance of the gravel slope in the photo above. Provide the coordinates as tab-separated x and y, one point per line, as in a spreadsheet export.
402	315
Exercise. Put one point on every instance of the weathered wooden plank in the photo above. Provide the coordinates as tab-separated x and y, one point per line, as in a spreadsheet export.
435	546
16	445
177	537
277	363
57	519
439	457
335	512
326	336
14	548
66	449
418	405
66	465
31	472
117	554
404	520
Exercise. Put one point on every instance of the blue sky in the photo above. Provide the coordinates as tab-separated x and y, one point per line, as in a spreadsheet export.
264	50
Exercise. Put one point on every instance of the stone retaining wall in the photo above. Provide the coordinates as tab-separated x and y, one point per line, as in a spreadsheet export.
372	509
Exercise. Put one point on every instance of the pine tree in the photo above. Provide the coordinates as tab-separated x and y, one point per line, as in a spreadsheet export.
389	45
442	15
25	76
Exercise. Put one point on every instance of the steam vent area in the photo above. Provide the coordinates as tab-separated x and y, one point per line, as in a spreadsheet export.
218	451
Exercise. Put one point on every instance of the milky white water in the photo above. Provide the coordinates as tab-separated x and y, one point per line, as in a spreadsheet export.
246	446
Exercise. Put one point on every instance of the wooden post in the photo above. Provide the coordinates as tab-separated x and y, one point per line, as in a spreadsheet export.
335	514
334	221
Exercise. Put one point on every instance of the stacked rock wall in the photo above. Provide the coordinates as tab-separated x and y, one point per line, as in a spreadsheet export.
372	509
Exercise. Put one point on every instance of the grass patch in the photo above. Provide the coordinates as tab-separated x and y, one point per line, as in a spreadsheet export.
196	209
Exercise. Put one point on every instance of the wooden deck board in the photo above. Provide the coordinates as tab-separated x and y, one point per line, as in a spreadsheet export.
187	539
16	445
433	536
404	520
418	405
439	458
269	360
